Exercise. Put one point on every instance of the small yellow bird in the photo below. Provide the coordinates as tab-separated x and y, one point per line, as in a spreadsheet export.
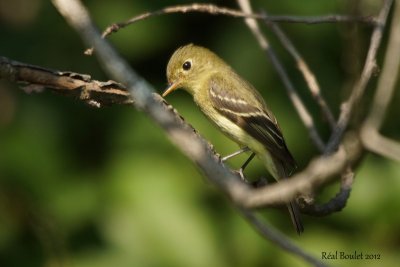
235	106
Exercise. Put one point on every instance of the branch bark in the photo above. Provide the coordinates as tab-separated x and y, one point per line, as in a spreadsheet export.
82	86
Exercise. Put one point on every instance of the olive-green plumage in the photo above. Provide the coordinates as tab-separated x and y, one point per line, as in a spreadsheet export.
235	106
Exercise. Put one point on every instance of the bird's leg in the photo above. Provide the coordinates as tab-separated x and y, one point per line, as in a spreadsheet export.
245	165
240	171
242	150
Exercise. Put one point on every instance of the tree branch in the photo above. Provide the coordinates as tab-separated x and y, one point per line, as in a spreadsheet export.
82	86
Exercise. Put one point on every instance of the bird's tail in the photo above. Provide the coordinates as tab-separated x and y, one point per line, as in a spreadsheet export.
283	172
295	217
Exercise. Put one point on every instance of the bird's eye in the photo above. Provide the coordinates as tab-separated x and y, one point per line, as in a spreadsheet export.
187	65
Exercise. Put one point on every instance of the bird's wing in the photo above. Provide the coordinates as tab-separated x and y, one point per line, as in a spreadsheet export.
251	116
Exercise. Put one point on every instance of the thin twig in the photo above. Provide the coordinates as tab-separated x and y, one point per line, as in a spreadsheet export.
370	135
216	10
359	87
308	75
278	238
334	18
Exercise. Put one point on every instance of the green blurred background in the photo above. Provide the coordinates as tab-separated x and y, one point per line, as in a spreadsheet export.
81	186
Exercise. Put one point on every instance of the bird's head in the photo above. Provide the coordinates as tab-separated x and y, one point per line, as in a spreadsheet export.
188	66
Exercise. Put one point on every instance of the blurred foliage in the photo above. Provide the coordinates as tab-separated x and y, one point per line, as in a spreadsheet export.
81	186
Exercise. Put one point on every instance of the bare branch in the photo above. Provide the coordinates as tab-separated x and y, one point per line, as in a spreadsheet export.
370	135
359	87
216	10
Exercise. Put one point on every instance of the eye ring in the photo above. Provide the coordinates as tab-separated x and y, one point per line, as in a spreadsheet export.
187	65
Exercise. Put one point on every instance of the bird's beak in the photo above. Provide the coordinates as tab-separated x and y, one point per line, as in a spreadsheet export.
171	87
